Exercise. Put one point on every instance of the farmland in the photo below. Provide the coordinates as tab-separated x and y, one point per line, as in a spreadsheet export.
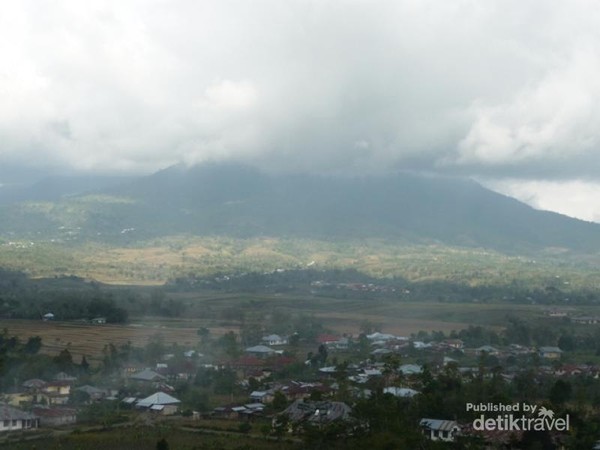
340	316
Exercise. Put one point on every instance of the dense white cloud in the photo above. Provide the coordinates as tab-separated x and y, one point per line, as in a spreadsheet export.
572	198
491	88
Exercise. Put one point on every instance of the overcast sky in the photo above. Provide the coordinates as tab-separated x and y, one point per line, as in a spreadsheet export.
506	92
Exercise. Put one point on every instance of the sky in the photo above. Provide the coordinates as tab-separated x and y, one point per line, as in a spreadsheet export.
504	92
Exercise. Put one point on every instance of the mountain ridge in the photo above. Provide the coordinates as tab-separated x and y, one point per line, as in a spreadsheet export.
241	201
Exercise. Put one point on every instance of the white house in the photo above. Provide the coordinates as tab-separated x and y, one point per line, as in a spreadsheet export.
12	419
159	402
274	339
400	392
440	430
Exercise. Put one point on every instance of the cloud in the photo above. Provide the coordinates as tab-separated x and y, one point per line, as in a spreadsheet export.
555	121
495	88
573	198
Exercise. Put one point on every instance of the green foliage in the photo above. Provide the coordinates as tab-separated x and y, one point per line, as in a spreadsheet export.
162	444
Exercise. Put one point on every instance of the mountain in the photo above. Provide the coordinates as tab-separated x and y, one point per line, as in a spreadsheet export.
54	188
239	201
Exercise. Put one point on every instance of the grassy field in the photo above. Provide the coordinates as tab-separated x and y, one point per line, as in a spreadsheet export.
146	438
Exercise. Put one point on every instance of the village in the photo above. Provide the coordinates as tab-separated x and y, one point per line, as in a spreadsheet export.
285	385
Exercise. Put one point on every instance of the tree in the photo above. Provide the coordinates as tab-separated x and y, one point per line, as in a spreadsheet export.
85	366
279	401
560	392
162	444
204	334
33	345
228	343
322	353
566	342
64	360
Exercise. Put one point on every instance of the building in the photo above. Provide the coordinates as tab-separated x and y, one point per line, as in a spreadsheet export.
55	417
456	344
317	413
585	320
260	351
147	376
274	339
488	350
550	352
94	393
400	392
159	402
12	419
440	430
56	392
410	369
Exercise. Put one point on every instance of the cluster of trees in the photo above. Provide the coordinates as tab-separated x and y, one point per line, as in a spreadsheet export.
21	360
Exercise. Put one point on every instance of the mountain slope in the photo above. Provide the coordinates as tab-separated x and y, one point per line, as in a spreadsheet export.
242	202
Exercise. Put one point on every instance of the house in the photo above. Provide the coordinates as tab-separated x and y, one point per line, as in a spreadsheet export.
487	349
147	376
585	320
550	352
410	369
327	339
56	392
317	413
377	336
159	402
262	396
12	419
296	390
63	376
381	352
93	392
16	397
99	320
420	345
400	392
48	316
456	344
235	411
228	411
54	417
440	430
274	339
260	351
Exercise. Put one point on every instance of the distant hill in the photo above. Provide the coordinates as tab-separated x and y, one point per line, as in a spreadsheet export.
54	188
239	201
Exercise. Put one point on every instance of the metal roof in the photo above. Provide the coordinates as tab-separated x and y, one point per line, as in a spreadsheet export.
439	425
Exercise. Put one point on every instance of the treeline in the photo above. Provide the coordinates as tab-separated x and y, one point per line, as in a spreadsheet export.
344	283
73	298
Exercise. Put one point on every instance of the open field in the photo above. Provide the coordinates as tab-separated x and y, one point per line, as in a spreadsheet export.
89	340
337	315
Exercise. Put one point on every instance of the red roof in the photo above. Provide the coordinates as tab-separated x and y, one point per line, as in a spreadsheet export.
324	338
247	361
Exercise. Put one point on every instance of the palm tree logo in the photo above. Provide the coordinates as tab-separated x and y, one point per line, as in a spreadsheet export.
544	413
